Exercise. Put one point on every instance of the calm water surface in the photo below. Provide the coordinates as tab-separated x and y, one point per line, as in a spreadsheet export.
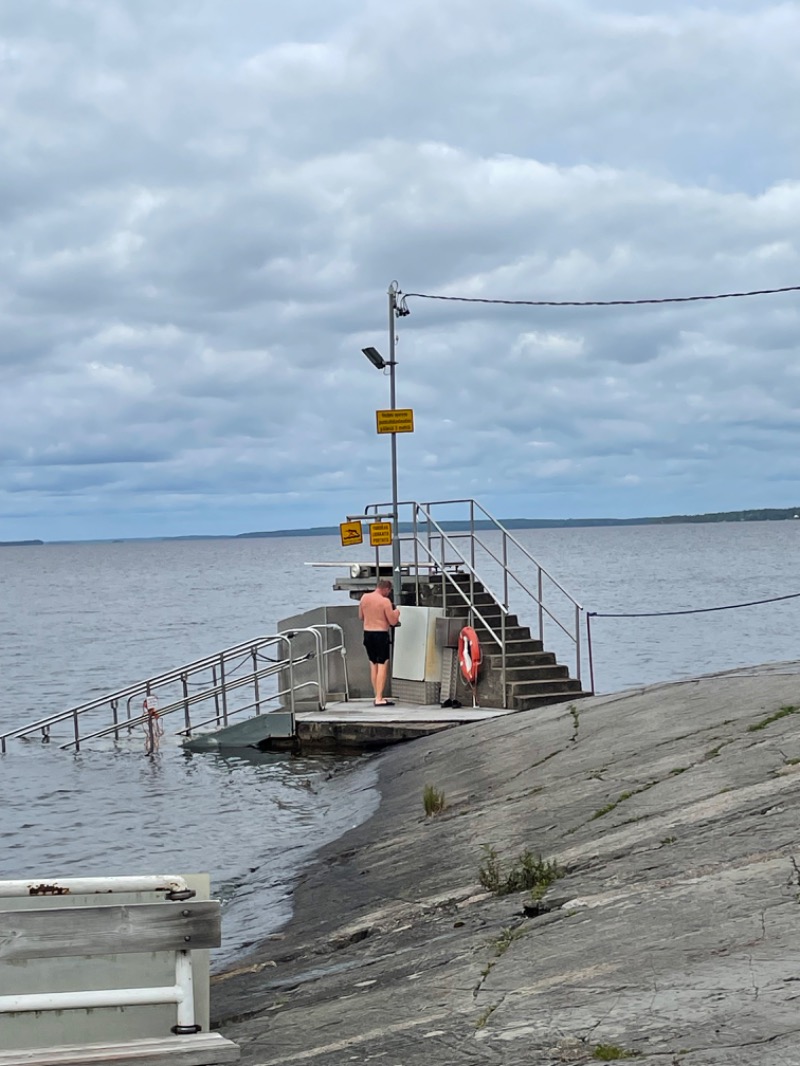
80	620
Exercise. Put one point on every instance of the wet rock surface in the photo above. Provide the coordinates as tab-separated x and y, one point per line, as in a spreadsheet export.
672	936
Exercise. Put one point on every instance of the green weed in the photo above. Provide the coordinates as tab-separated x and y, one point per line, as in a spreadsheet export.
485	1016
621	799
507	938
527	872
432	800
776	717
610	1053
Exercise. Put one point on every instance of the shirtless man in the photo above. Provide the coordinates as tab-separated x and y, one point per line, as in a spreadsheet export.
377	614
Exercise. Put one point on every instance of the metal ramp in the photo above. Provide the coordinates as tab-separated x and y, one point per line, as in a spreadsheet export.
207	695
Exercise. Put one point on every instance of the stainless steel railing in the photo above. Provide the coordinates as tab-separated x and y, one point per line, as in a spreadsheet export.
231	680
427	541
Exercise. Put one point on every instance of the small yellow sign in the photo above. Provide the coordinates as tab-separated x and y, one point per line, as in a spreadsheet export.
380	533
351	533
400	420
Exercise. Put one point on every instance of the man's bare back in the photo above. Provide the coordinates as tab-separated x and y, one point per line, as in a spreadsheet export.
377	613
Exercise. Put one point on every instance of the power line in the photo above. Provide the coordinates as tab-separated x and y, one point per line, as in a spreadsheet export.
694	610
403	309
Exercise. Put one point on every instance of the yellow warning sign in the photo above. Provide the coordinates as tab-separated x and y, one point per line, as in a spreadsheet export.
400	420
351	533
380	533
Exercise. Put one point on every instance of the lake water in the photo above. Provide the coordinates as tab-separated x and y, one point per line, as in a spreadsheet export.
79	620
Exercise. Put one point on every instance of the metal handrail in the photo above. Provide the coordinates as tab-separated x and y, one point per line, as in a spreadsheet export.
200	697
220	686
571	631
475	613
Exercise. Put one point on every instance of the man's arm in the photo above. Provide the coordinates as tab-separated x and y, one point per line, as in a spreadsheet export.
392	613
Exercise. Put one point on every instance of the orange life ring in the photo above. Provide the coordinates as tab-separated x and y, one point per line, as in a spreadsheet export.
469	654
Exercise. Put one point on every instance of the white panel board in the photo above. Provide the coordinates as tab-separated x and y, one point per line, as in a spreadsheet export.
415	653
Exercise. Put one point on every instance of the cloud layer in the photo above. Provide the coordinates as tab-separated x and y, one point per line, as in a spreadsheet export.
202	206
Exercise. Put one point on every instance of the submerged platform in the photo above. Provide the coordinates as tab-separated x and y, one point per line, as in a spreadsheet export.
353	724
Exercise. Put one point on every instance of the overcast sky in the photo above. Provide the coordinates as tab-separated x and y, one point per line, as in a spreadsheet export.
203	203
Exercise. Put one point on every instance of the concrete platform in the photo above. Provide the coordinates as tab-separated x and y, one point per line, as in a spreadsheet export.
359	724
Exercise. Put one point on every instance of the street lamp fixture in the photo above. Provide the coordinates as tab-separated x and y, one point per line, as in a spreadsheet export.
375	357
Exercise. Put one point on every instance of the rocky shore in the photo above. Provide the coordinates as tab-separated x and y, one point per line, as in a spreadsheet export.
669	936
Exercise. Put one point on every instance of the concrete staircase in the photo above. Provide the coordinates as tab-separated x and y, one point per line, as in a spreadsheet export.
534	677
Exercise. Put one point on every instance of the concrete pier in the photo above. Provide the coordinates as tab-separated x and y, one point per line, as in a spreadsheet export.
359	724
672	934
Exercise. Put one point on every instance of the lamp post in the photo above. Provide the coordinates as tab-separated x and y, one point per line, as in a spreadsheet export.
378	361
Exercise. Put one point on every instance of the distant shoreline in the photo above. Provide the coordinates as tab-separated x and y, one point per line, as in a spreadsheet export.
768	514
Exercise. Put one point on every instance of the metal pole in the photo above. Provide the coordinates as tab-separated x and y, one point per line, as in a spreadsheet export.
393	405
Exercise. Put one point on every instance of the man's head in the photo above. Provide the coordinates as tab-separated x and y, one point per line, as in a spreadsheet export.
384	586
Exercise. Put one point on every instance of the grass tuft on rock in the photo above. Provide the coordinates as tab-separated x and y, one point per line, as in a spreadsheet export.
776	717
611	1053
432	800
529	872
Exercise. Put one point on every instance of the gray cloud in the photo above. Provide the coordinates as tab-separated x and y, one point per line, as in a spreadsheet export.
202	206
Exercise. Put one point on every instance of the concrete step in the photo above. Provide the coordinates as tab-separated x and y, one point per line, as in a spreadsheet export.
536	688
494	658
513	633
529	703
492	617
535	672
523	644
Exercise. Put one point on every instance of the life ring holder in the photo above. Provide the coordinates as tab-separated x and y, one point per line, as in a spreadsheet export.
469	658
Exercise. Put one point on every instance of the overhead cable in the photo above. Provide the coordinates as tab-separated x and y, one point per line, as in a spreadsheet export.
694	610
589	303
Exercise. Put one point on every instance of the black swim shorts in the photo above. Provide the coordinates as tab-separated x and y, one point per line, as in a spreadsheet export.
377	644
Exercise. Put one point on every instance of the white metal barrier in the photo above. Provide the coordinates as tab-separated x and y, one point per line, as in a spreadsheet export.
48	921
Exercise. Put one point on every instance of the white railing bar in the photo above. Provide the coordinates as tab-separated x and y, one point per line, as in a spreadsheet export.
89	1000
78	886
184	980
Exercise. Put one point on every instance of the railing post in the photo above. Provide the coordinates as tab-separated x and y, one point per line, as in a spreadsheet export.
290	659
115	717
540	594
76	730
321	683
578	642
256	690
215	688
187	717
184	979
416	554
503	663
224	690
589	649
472	534
505	570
